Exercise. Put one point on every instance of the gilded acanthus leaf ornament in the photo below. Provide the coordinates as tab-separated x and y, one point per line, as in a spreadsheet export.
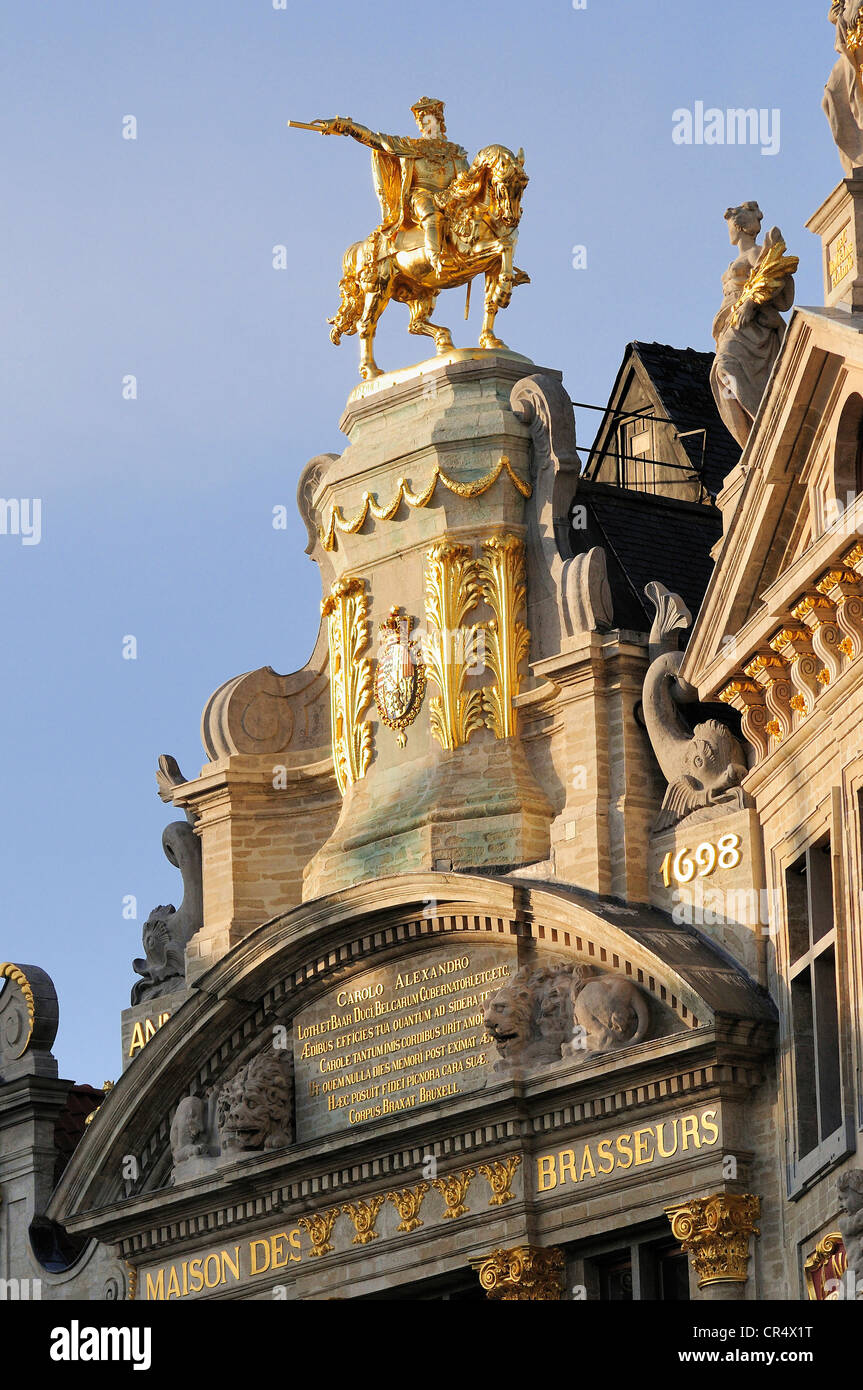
407	1202
500	1174
453	1189
364	1215
504	584
452	649
319	1229
346	611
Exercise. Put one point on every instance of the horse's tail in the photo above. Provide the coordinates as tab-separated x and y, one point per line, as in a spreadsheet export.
350	309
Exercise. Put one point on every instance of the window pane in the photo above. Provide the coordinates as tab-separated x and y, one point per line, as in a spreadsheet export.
615	1277
827	1025
820	877
803	1034
798	910
673	1270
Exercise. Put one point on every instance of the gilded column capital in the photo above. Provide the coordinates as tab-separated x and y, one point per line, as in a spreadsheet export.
714	1232
526	1273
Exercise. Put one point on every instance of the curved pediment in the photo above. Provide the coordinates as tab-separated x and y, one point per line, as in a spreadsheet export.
405	970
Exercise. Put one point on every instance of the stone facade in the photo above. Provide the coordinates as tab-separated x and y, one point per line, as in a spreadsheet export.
477	1005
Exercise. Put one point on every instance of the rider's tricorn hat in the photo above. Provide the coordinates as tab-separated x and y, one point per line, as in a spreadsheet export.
427	104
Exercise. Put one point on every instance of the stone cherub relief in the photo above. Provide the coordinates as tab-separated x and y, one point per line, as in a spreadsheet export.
561	1012
843	95
249	1113
705	765
851	1221
749	328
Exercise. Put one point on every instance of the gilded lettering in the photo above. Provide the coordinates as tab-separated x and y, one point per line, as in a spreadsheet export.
546	1178
624	1149
566	1164
710	1129
643	1138
660	1146
689	1130
603	1151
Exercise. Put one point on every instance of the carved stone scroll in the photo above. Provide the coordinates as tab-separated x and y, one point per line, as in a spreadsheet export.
843	587
745	696
818	614
770	672
794	646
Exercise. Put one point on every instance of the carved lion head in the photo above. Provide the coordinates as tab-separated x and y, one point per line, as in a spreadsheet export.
509	1014
254	1107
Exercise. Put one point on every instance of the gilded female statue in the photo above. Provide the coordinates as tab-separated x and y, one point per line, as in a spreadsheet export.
749	329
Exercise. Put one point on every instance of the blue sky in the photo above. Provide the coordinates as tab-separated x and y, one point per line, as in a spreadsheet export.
153	257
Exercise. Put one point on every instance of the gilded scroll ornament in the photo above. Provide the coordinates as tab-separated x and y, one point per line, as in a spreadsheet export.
407	1202
453	1189
504	583
8	971
319	1229
527	1273
400	678
346	611
714	1232
500	1174
825	1269
451	648
404	493
364	1215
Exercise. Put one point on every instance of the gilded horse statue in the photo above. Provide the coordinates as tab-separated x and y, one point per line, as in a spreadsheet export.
443	223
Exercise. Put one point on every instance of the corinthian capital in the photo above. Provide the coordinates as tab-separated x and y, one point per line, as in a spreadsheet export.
527	1273
714	1232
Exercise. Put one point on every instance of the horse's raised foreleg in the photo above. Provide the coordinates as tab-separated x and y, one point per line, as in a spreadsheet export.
420	322
487	337
376	301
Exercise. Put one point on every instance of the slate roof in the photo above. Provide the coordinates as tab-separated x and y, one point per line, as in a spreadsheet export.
647	536
69	1128
681	379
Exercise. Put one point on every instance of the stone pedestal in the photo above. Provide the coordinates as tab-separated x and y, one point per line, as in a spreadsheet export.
423	519
839	223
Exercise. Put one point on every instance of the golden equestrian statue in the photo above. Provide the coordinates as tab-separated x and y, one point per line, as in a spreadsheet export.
443	221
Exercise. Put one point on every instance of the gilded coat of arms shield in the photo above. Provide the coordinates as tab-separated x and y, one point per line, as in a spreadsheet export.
400	678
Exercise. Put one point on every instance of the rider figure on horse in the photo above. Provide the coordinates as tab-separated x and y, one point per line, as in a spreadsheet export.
409	172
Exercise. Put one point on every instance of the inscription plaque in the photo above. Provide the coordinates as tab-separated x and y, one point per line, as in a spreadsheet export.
389	1041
